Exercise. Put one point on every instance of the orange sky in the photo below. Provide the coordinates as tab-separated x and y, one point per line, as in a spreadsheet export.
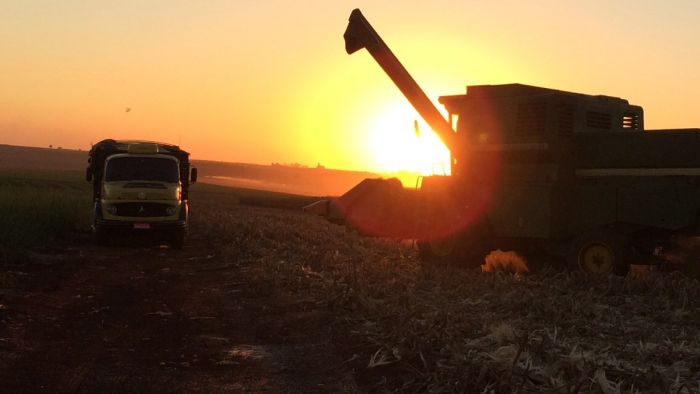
269	81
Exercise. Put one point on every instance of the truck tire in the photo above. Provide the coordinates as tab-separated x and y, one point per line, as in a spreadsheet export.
102	236
600	252
178	239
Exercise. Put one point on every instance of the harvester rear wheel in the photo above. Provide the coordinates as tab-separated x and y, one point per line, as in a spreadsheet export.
601	252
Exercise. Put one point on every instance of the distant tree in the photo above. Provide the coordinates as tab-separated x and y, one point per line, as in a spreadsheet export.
50	146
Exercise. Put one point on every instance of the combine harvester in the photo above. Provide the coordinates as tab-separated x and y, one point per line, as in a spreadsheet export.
533	170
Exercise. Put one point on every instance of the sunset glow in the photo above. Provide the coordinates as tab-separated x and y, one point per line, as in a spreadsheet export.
396	146
263	82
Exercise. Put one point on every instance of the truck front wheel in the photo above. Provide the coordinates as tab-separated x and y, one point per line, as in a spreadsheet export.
178	239
102	236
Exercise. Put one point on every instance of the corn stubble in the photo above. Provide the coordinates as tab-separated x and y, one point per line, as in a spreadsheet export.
404	327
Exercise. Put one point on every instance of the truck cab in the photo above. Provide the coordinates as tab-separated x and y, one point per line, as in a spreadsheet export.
140	187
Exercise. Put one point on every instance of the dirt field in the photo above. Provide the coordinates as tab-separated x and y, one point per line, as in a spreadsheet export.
271	300
143	318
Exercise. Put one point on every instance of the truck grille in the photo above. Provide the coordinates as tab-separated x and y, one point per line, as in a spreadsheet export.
141	209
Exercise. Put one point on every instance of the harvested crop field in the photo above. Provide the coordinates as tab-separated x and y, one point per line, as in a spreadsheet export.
403	327
272	300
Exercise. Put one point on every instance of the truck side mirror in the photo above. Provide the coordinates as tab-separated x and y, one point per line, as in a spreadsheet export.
193	176
88	174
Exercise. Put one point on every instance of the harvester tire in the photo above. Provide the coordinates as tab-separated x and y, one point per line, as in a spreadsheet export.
475	245
600	252
438	252
466	249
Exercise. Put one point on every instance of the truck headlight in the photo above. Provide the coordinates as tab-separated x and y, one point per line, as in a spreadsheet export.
171	211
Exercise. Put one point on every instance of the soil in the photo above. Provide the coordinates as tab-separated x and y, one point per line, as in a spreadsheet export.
90	318
272	300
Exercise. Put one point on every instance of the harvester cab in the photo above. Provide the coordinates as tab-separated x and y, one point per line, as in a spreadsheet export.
535	170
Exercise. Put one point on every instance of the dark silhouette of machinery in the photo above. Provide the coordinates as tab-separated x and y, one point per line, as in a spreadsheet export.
534	169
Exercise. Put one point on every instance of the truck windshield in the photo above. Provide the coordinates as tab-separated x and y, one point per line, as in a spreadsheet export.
142	169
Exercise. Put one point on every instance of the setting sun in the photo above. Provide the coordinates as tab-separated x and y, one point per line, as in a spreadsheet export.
396	146
270	82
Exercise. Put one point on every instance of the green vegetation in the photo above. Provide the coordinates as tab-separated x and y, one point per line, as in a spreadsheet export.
42	208
39	208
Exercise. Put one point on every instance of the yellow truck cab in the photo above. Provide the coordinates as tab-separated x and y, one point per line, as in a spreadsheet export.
142	187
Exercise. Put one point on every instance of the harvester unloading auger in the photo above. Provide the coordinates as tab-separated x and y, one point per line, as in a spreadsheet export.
382	207
360	34
535	170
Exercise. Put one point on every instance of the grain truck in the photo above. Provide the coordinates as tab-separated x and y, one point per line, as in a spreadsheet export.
140	187
533	169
